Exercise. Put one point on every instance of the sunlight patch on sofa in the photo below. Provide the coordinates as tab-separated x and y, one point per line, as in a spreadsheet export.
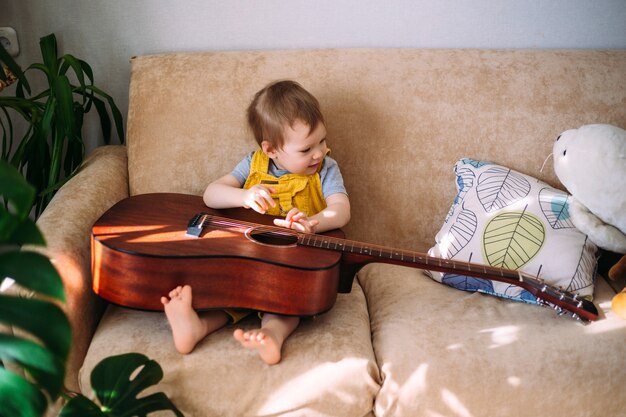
416	384
454	404
308	387
502	336
72	273
454	346
514	381
607	324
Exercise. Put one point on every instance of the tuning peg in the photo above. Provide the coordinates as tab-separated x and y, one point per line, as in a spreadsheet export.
559	310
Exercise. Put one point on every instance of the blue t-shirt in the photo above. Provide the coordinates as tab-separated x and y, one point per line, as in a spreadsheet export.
330	176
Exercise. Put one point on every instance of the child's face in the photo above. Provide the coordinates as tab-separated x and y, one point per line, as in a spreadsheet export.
302	151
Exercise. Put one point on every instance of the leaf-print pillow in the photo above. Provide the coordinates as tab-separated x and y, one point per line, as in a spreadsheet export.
506	219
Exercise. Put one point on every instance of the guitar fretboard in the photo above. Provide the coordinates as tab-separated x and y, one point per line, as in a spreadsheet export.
561	300
402	256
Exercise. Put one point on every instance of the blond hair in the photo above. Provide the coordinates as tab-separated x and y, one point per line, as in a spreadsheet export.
278	105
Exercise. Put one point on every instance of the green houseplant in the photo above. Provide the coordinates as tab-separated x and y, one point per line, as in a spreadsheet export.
43	355
52	148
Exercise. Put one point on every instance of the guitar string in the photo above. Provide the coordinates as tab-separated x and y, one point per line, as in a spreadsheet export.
300	236
417	258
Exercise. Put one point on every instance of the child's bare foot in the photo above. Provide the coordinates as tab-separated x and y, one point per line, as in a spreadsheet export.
187	327
263	341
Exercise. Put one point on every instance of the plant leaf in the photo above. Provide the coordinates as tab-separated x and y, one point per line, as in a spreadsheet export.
87	70
46	124
105	120
81	406
48	46
154	402
18	232
32	270
65	102
71	61
117	115
16	189
27	233
47	370
19	398
28	314
116	391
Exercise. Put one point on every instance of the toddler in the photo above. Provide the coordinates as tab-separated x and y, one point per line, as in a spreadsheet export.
290	175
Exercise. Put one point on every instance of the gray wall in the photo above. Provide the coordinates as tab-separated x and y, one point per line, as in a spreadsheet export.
107	33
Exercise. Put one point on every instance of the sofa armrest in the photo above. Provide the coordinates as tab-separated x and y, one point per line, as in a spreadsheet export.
66	225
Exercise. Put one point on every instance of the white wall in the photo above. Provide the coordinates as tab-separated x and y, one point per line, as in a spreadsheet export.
107	33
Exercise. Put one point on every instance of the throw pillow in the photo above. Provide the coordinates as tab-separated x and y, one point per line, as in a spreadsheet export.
506	219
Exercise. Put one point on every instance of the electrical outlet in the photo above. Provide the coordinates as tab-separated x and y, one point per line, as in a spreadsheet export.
8	39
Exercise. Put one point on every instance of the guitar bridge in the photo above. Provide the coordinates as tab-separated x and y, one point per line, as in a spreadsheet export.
196	225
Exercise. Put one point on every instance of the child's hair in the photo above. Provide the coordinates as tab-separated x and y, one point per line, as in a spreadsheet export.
278	105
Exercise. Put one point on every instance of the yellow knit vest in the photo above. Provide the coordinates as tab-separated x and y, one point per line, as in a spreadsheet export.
292	190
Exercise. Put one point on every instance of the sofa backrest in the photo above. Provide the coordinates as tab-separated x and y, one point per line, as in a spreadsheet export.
397	120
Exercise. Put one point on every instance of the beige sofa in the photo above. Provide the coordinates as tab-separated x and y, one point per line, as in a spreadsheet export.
399	344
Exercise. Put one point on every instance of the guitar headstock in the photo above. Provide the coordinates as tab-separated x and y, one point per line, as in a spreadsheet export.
562	301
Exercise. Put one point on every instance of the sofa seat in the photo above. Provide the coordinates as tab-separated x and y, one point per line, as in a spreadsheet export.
328	366
445	352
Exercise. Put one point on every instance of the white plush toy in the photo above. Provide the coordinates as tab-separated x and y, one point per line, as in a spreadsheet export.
591	163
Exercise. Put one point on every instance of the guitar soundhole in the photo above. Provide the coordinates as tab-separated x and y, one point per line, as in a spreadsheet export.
272	237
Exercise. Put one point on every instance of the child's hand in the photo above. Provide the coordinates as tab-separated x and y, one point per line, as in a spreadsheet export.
297	220
259	198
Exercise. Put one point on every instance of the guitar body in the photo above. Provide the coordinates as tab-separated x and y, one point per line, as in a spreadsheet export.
140	252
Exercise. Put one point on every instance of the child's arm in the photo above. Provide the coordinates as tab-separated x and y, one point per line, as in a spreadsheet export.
226	192
334	216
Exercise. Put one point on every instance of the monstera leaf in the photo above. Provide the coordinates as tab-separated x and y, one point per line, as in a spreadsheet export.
512	239
117	392
42	355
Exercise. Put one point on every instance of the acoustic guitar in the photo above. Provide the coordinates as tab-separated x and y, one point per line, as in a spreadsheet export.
146	245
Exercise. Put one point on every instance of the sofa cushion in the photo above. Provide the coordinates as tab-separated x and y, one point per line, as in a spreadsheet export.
450	353
328	367
505	219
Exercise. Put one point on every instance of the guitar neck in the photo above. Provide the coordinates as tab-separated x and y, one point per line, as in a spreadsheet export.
361	254
366	253
358	254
